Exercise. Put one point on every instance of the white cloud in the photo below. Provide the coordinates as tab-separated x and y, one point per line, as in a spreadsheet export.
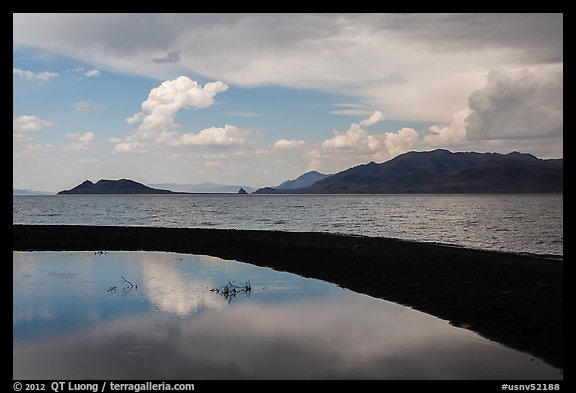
45	75
223	137
80	141
213	137
401	141
356	138
370	147
135	118
284	144
27	123
374	118
167	99
85	106
517	105
156	119
452	135
91	73
85	73
131	147
356	146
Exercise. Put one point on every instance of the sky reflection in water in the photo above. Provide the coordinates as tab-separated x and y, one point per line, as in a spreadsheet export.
68	325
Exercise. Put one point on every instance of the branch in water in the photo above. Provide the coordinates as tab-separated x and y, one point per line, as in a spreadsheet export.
131	285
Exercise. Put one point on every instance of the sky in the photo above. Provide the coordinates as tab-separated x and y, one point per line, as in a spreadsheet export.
257	99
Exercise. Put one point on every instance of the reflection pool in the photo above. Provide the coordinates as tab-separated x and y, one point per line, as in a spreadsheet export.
155	315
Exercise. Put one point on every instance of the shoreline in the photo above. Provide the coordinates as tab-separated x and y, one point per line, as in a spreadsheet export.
513	299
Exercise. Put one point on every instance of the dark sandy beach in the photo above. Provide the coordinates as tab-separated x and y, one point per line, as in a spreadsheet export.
512	299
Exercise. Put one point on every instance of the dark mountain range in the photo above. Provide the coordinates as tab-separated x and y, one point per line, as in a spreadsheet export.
303	181
442	172
122	186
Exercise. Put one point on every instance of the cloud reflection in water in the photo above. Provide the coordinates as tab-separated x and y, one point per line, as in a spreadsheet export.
315	330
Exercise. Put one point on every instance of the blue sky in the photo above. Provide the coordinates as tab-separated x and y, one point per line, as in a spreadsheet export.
256	99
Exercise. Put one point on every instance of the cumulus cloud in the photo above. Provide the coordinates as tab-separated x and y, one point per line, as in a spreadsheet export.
356	139
159	110
213	137
518	104
79	141
356	146
135	118
284	144
374	147
45	75
91	73
401	141
224	137
452	135
167	99
24	124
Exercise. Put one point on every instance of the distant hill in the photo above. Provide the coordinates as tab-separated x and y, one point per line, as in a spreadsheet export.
122	186
441	172
303	181
270	190
206	187
21	191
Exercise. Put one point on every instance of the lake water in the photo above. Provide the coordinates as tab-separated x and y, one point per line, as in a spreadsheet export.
511	223
75	317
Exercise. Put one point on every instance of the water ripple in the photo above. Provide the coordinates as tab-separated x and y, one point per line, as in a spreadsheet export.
514	223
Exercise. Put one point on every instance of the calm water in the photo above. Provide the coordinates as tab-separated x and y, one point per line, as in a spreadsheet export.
513	223
68	324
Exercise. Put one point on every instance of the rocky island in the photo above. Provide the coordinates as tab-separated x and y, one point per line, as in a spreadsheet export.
122	186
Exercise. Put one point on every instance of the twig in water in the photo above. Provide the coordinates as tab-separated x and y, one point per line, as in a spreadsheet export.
125	288
131	285
229	291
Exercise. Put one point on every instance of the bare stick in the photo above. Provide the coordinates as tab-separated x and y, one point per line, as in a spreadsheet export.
131	285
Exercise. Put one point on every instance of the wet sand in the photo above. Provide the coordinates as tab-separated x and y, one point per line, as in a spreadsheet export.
512	299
